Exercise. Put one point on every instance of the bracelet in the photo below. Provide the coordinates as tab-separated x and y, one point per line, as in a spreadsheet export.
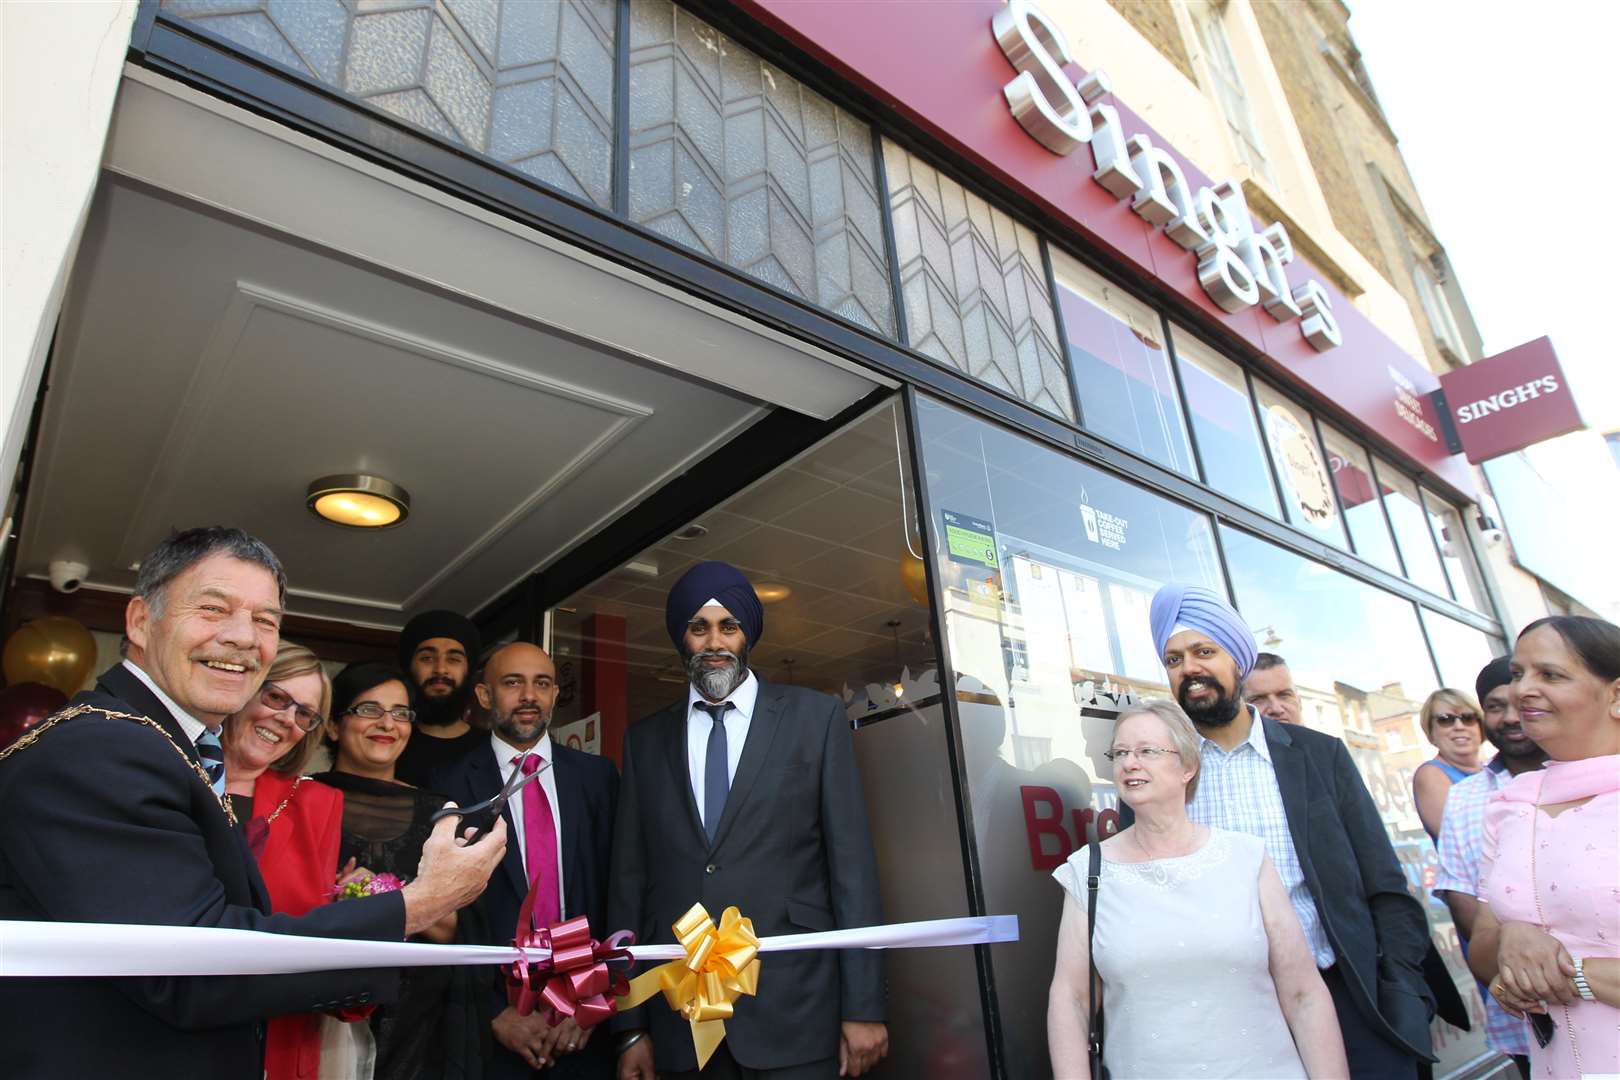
630	1040
1582	987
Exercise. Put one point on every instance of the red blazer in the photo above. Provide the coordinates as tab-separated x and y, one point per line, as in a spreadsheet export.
298	863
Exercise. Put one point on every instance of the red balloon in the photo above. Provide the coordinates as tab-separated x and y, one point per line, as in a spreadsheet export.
24	705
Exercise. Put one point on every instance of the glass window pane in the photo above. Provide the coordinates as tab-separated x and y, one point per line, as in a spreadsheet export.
974	285
530	85
1223	423
1352	477
849	615
1456	552
1362	673
1047	567
1411	524
1460	651
1306	483
1121	367
733	158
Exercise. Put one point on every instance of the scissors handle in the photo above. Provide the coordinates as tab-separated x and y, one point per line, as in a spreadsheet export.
484	814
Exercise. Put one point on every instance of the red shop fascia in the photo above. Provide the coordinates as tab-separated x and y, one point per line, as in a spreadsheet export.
992	84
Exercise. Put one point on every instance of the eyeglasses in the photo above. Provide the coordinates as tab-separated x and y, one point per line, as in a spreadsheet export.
1145	754
276	699
370	710
1447	719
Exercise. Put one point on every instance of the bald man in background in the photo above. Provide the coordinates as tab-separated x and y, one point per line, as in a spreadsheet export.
561	829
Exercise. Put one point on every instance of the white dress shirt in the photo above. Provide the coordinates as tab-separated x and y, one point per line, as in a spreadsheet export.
505	752
188	723
1238	791
700	723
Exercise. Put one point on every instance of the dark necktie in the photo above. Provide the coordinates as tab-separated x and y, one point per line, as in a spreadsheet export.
213	760
716	776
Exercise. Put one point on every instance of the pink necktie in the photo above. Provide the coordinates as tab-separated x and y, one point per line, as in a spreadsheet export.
540	846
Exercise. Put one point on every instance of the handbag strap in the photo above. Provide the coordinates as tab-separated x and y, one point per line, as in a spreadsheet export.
1094	1039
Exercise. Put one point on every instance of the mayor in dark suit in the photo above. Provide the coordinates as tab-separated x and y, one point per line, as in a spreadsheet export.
1298	790
746	793
113	811
562	830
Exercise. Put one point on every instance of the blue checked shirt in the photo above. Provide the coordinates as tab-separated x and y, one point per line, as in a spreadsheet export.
1462	843
1238	791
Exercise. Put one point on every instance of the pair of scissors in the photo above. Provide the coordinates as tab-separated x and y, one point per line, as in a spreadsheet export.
483	815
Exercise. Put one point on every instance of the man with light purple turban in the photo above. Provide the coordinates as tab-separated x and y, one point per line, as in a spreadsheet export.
1299	792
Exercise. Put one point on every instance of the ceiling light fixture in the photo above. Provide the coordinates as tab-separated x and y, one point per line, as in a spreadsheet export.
358	501
771	592
693	531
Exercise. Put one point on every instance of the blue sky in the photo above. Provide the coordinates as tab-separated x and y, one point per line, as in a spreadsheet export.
1508	128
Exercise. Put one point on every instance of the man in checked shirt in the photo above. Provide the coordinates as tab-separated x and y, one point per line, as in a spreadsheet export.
1298	790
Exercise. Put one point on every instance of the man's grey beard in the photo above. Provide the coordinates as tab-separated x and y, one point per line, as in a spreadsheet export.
1218	713
714	683
506	726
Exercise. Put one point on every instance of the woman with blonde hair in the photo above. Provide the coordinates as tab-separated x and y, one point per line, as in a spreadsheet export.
292	824
1451	721
1200	957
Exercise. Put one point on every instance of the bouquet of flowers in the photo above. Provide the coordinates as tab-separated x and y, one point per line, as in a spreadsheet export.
367	885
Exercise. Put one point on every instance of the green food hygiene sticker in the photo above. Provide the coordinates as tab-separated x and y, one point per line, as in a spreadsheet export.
970	540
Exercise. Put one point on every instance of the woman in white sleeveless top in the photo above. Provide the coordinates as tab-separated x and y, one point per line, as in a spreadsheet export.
1204	967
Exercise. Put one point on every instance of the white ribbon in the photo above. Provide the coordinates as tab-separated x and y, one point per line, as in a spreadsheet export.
115	949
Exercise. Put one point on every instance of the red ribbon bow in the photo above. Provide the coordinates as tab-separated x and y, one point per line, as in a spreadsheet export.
581	982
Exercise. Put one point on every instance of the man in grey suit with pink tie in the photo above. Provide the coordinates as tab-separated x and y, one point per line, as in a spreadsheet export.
746	793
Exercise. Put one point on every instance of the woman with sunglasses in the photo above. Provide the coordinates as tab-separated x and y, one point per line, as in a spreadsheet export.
1450	719
291	822
385	823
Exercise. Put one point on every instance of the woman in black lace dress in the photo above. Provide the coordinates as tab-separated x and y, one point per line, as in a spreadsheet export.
385	824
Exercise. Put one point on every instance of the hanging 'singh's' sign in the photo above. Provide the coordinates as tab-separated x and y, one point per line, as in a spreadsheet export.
1237	266
1508	401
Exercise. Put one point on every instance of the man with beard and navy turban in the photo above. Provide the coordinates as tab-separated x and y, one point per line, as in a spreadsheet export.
1298	791
745	793
440	652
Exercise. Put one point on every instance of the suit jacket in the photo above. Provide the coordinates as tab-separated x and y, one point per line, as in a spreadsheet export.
587	797
102	821
792	851
1378	930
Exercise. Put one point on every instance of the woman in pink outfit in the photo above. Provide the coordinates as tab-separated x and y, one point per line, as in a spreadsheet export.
1548	936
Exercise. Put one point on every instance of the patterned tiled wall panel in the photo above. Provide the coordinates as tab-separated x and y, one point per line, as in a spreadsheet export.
527	82
974	285
732	158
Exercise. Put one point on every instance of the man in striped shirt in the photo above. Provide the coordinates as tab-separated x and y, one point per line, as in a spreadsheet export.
1298	791
1462	837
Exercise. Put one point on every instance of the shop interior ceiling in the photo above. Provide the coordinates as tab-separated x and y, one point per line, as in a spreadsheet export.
829	528
206	371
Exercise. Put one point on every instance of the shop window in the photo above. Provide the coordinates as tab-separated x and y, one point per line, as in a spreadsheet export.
530	85
1460	651
1223	423
1121	366
1456	552
1047	566
1302	469
1410	522
974	285
1363	514
1360	651
731	157
830	542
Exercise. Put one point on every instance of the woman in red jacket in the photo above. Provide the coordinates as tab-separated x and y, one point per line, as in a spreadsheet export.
292	823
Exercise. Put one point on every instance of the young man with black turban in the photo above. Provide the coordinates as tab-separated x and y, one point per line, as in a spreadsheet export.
745	793
440	651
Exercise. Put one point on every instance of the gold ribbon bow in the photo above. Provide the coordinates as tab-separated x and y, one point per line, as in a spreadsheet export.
721	963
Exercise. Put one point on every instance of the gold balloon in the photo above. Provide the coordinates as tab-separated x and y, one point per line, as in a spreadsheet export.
54	650
914	576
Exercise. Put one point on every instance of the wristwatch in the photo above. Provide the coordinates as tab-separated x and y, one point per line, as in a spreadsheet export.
1582	987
